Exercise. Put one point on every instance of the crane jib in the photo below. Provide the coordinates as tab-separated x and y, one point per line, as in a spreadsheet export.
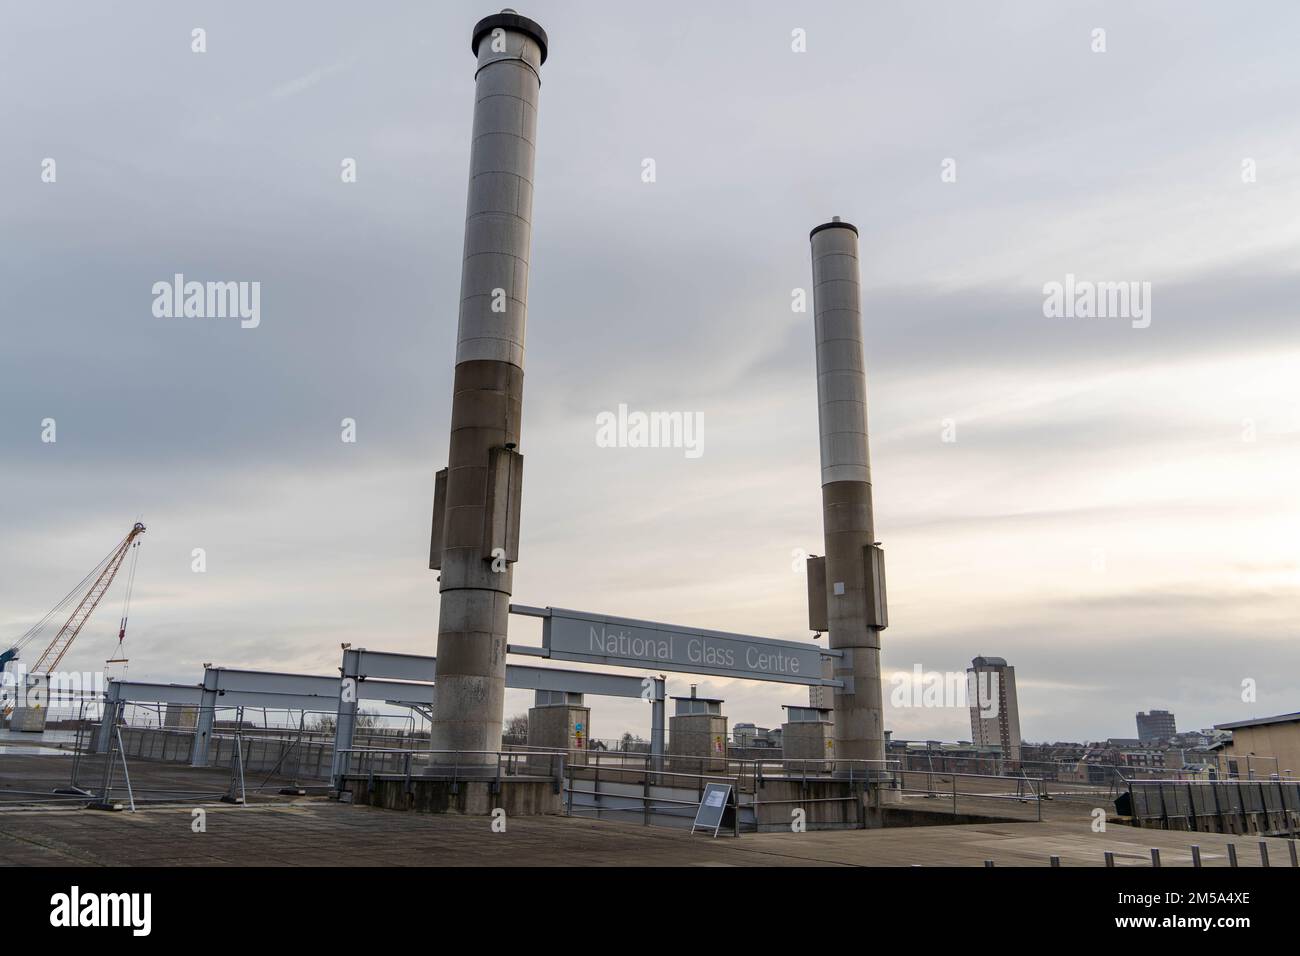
50	658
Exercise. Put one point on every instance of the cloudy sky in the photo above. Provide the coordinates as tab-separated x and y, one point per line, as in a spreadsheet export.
1118	513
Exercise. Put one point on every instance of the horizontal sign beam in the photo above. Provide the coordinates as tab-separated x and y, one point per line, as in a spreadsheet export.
372	664
626	642
579	682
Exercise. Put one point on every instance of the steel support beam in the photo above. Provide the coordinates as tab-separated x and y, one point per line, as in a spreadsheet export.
207	716
345	724
360	669
105	732
524	677
657	724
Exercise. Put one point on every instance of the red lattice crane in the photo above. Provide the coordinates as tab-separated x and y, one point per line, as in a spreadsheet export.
102	574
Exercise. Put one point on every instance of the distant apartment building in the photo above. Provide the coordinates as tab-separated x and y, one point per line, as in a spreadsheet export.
1130	752
1157	725
994	712
750	735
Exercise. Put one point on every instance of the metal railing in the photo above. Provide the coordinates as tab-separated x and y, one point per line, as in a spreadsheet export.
455	765
854	771
631	785
748	769
953	787
651	802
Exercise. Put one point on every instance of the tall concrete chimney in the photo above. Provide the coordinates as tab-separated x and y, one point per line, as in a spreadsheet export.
475	536
854	564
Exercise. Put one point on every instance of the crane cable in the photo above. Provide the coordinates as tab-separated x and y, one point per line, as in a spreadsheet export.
76	592
126	599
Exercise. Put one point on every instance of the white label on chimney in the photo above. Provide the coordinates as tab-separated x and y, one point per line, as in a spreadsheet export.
839	588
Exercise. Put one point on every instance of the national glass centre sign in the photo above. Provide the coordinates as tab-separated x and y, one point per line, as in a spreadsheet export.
623	642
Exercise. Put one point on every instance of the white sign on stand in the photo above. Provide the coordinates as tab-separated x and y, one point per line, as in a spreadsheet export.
713	808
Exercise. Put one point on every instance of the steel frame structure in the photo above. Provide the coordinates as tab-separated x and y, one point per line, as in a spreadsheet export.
402	679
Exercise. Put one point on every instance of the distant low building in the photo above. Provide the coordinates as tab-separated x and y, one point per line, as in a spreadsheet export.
962	756
1261	746
1194	739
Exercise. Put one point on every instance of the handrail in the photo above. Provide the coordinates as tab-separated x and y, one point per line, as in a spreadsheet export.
469	770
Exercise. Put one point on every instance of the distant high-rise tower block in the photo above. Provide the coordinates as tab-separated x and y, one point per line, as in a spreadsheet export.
994	712
1157	725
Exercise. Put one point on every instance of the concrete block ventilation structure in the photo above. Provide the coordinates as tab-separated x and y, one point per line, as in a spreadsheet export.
697	735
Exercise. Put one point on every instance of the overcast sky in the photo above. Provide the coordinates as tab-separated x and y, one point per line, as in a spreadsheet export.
1118	513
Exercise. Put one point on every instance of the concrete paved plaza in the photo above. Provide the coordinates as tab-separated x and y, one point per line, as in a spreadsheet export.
320	832
314	831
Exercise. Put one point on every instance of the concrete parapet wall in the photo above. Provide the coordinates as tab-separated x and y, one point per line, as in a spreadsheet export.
604	772
27	720
519	798
896	816
841	805
826	804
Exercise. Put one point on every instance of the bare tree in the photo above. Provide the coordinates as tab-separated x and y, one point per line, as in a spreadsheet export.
516	728
326	723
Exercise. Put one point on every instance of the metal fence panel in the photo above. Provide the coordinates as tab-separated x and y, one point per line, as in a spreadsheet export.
1291	795
1251	798
1272	793
1202	796
1142	803
1176	800
1230	797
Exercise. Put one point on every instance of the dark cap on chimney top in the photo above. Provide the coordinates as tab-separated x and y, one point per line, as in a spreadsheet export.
507	19
835	223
